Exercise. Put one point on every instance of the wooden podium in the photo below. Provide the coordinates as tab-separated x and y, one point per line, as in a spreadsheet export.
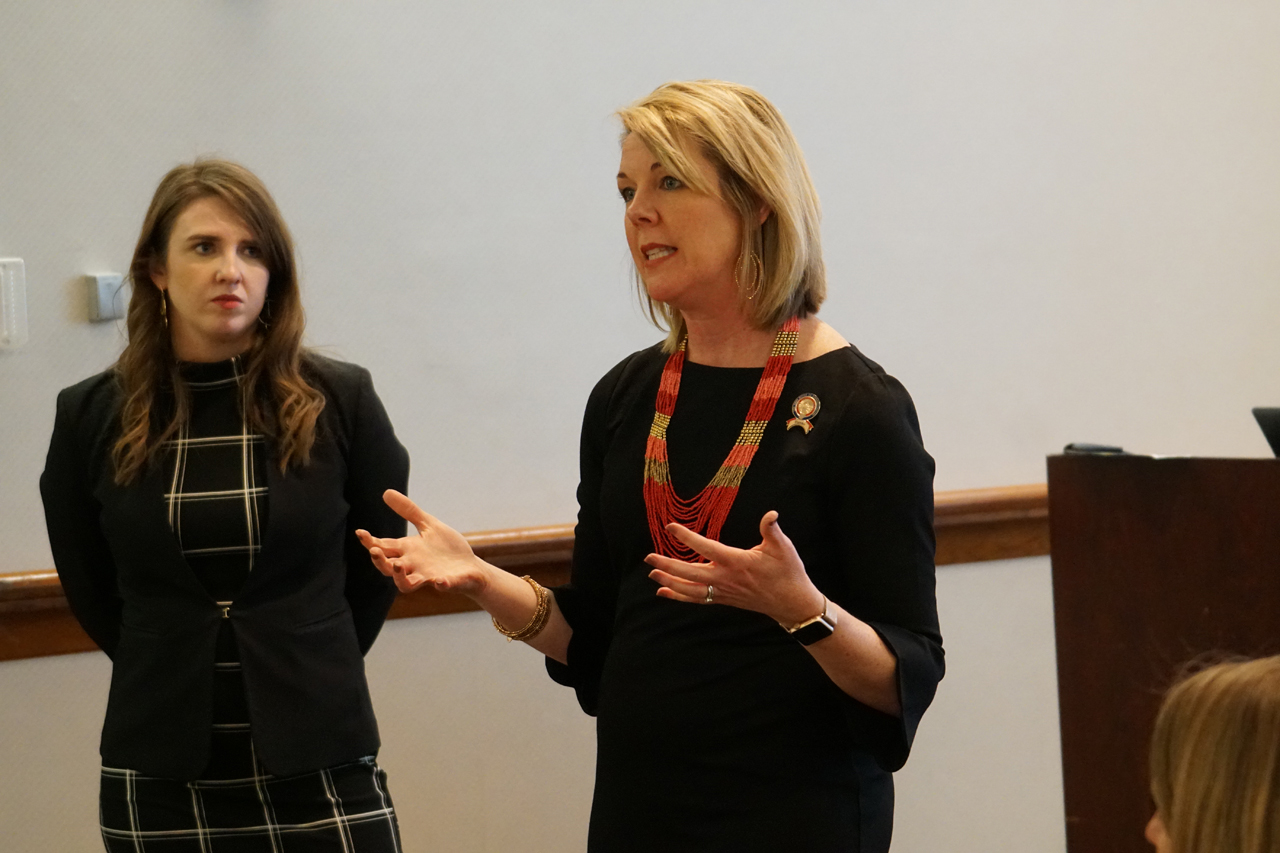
1155	561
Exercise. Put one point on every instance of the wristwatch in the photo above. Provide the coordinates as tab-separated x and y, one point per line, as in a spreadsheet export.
812	630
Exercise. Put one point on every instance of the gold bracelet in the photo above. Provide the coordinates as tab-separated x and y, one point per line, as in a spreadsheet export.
791	629
540	615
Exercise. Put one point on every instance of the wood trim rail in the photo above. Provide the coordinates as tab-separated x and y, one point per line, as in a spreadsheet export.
972	525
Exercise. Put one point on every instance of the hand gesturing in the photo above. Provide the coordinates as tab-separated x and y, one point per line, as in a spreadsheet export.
769	578
438	555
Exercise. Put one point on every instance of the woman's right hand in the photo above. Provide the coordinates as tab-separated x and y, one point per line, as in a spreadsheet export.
442	557
438	555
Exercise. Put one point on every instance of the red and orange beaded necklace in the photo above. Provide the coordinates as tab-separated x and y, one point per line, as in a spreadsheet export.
706	512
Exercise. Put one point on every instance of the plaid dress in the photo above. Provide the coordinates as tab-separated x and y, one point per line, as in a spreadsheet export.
217	505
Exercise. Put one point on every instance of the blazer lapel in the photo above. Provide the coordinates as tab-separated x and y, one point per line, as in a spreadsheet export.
278	501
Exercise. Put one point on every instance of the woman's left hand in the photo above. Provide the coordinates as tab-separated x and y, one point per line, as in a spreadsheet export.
769	578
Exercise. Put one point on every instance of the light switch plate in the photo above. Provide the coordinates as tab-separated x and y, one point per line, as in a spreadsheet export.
108	296
13	303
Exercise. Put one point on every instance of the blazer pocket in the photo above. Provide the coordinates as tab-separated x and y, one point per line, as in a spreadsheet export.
139	631
159	698
324	621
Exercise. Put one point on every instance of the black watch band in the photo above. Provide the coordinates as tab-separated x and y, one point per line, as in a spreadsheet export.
812	630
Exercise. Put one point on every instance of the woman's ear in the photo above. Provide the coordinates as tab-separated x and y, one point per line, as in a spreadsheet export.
159	277
763	213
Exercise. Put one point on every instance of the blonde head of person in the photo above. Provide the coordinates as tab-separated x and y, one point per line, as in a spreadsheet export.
757	210
1215	761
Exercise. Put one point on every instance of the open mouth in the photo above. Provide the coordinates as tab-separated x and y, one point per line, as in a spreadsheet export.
653	253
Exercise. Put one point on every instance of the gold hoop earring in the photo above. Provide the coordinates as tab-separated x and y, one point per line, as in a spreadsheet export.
164	309
757	275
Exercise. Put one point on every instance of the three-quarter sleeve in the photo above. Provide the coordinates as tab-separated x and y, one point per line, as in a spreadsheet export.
376	461
589	600
882	481
73	519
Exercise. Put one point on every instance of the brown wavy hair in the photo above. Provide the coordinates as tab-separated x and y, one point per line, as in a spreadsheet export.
156	400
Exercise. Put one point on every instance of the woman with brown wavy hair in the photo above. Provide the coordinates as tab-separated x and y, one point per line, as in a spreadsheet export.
200	497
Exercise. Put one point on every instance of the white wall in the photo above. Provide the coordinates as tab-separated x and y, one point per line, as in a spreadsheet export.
985	772
1053	221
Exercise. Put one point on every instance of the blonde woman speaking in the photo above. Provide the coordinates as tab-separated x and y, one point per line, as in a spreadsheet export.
751	615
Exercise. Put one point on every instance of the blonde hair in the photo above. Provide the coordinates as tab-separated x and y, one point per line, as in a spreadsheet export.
759	162
1215	759
274	364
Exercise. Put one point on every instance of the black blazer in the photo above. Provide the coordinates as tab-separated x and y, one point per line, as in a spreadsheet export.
308	612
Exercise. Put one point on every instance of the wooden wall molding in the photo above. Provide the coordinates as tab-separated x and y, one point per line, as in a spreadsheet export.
976	525
972	525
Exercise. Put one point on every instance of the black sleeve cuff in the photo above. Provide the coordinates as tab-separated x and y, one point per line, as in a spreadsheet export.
920	668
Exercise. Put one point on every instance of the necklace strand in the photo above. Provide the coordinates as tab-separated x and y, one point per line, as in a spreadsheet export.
706	511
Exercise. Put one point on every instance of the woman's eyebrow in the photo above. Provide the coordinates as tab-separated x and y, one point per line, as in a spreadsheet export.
656	165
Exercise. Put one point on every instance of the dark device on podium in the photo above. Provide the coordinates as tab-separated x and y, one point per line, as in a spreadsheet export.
1269	420
1076	448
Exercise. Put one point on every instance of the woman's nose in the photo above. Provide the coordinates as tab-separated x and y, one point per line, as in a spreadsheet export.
229	269
641	209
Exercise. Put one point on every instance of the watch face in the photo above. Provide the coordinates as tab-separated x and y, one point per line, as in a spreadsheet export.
813	632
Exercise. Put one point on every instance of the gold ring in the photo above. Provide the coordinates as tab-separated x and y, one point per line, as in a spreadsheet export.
711	594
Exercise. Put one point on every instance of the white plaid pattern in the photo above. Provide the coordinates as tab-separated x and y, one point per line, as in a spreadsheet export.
340	808
245	491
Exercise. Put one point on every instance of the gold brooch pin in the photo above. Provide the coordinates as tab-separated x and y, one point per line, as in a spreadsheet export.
805	408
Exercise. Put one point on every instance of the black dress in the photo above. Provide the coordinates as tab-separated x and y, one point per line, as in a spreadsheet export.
716	730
